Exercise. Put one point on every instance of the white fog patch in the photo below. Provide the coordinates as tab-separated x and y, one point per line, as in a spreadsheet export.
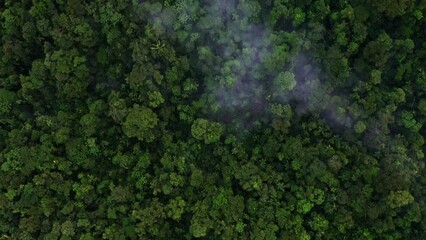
241	58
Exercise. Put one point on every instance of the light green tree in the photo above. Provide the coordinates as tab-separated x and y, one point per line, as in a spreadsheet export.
285	81
140	123
398	199
207	131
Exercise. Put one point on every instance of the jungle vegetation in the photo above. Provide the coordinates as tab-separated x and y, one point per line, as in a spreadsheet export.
224	119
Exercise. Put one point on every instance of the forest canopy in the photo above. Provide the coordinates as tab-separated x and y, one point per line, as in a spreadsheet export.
224	119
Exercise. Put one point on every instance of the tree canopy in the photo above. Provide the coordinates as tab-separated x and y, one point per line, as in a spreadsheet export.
185	119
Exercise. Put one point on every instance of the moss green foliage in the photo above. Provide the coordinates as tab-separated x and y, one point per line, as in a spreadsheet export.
207	131
399	199
6	100
360	127
285	81
224	119
140	123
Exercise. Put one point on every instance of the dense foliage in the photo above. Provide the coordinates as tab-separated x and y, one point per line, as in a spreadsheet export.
250	119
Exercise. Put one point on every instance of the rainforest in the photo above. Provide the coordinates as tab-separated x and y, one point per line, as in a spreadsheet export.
220	119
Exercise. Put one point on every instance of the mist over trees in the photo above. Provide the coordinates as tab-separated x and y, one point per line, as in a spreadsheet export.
251	119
